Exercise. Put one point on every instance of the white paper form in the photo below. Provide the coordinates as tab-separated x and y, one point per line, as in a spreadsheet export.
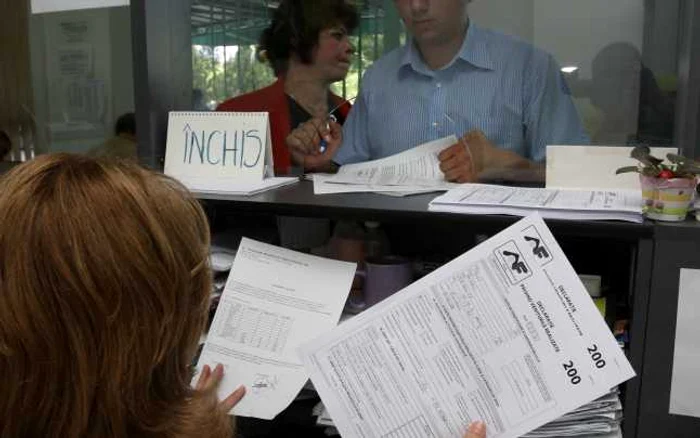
323	186
551	203
685	385
274	300
506	333
243	188
418	166
555	199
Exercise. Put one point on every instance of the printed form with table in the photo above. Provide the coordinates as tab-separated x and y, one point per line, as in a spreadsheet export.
506	334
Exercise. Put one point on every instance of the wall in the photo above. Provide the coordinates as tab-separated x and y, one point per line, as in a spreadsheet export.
574	31
512	17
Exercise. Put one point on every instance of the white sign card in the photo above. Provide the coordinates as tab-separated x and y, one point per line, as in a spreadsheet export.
685	384
593	167
42	6
214	151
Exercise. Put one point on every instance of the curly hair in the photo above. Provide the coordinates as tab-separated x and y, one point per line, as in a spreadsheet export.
295	27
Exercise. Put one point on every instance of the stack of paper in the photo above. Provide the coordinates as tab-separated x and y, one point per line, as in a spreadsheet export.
411	172
324	185
623	205
600	418
243	188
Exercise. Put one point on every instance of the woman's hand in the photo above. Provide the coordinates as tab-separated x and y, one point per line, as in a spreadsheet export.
304	144
476	430
209	380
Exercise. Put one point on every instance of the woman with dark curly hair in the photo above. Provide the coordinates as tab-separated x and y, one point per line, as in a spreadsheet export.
307	47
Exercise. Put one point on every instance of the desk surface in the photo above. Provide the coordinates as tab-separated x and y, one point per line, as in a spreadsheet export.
299	200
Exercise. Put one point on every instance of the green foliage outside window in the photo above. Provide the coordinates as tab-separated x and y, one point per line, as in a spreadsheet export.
220	73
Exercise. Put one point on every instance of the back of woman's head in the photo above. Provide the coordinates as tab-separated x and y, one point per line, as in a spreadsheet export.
104	286
295	28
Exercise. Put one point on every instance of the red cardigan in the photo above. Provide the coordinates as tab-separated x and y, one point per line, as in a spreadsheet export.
273	100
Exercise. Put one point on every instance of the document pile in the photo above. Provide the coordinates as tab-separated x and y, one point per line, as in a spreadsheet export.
598	419
411	172
621	205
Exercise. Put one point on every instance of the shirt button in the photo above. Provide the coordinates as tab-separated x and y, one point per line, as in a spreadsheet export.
435	124
439	85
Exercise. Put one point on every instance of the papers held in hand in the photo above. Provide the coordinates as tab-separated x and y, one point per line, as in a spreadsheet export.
506	333
416	170
274	300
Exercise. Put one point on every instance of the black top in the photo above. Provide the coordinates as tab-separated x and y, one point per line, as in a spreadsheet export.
299	115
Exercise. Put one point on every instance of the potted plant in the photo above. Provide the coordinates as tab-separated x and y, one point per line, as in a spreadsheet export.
668	186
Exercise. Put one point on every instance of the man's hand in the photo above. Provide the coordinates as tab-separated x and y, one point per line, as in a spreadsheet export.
304	144
462	162
208	382
476	430
475	156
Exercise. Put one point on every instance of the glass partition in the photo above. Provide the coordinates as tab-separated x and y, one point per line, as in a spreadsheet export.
619	59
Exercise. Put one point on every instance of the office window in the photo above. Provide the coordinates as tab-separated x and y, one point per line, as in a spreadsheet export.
224	38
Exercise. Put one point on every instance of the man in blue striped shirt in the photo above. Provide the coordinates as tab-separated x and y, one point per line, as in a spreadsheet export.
506	99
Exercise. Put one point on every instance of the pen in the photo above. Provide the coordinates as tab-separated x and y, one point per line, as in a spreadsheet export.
324	144
454	129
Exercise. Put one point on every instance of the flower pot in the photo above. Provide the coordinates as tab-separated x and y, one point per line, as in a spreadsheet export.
667	199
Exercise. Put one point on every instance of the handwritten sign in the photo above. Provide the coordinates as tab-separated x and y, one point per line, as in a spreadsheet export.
212	151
